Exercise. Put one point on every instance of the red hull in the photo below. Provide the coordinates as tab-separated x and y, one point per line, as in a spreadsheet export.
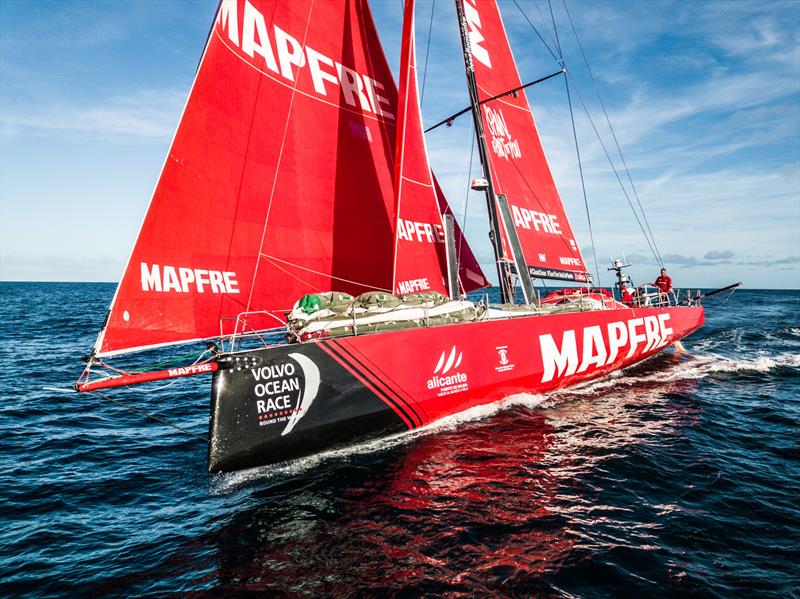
279	403
406	361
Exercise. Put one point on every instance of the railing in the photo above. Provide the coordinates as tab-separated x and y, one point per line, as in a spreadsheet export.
645	298
243	331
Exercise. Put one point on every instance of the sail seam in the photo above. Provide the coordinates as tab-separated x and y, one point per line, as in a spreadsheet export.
316	272
410	180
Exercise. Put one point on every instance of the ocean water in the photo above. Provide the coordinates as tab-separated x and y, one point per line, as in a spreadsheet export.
679	477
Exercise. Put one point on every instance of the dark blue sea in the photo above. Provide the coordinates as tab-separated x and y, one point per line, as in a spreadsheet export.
679	477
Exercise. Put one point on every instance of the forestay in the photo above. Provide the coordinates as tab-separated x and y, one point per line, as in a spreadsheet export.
517	162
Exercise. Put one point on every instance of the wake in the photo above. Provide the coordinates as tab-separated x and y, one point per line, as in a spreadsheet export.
692	367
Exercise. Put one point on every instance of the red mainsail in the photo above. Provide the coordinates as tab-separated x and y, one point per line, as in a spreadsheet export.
516	159
278	182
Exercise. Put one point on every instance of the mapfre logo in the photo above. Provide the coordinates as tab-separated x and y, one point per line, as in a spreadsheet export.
179	279
447	379
476	38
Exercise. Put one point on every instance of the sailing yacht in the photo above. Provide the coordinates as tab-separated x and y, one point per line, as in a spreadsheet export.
298	235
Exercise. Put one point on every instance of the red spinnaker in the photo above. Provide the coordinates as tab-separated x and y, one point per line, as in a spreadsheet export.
517	161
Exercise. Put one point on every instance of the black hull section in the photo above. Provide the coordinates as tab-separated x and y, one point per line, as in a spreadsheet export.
276	404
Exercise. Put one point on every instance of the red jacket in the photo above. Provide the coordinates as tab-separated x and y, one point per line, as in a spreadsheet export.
664	283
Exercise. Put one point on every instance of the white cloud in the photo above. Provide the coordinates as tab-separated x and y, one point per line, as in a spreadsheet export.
144	114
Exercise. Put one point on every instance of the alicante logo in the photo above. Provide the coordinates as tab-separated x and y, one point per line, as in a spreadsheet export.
447	379
285	390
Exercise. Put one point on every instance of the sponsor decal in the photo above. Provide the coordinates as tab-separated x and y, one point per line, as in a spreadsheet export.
179	279
412	230
503	143
503	363
570	261
562	275
413	286
476	38
538	221
282	394
598	347
447	379
187	370
283	55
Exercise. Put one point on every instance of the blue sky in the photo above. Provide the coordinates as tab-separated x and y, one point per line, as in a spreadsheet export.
704	99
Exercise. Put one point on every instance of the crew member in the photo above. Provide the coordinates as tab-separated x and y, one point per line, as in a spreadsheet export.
664	282
628	294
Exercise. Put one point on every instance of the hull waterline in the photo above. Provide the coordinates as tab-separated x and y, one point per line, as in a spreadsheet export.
274	404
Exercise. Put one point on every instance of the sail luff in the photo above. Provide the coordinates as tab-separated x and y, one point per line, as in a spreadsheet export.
96	350
407	60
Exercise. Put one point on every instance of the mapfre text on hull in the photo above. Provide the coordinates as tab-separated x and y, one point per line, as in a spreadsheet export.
326	394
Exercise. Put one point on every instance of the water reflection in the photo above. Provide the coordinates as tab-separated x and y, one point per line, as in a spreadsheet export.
491	505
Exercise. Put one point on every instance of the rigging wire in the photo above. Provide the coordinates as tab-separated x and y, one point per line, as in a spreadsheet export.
614	169
613	133
466	198
536	31
150	416
275	259
583	183
561	62
577	148
427	51
555	31
544	22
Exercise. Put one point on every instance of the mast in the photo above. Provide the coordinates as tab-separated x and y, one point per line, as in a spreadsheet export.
503	271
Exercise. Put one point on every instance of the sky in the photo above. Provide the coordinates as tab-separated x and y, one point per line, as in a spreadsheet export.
704	99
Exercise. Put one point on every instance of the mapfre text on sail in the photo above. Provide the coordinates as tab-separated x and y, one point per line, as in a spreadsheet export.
280	51
179	279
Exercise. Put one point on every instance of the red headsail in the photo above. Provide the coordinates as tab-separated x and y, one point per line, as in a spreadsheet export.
420	260
279	181
516	159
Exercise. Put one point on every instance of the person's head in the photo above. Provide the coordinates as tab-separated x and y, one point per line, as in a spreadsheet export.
663	271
